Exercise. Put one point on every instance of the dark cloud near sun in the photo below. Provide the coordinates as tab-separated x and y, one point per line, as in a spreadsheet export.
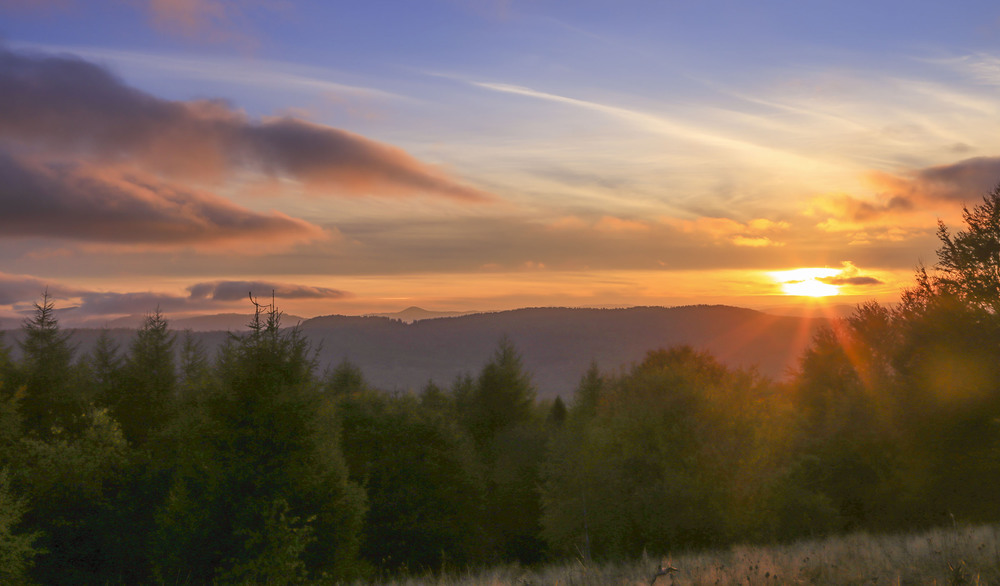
78	202
965	181
237	290
842	280
68	106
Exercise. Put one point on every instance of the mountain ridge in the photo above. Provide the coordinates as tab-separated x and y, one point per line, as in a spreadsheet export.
557	345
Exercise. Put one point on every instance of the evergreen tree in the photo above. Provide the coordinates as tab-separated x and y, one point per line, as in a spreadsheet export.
148	396
105	367
347	378
504	396
261	483
52	399
194	367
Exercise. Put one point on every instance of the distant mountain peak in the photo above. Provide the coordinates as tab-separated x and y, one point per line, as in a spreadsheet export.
414	313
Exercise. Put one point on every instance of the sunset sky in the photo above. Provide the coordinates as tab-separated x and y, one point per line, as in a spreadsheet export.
360	157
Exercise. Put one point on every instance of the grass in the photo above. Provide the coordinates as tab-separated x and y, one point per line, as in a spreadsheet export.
952	556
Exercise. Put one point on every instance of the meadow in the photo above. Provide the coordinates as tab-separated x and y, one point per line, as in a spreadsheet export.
943	556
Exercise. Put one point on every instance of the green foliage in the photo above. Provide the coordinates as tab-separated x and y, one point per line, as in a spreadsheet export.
194	368
422	481
17	547
105	369
503	396
498	411
272	554
255	444
969	261
659	461
71	483
146	398
46	371
345	379
252	469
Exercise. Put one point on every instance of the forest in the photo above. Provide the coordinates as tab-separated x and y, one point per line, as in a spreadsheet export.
160	463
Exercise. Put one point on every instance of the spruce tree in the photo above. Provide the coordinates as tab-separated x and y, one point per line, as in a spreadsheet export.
46	373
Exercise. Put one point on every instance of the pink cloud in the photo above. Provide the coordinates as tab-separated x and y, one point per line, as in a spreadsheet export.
71	108
81	202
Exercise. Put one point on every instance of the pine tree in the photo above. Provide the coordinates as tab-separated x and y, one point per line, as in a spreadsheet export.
151	378
46	372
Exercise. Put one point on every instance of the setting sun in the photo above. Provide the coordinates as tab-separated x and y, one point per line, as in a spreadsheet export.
806	282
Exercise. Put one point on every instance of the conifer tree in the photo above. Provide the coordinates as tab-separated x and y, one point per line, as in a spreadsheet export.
46	373
150	380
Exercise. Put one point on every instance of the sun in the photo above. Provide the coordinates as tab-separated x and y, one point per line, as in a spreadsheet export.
806	282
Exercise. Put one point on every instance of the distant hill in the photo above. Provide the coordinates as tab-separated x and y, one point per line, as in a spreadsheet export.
557	344
414	313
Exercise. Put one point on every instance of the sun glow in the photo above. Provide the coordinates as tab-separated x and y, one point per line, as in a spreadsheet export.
806	282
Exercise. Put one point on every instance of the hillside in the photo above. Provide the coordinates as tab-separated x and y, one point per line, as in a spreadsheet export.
557	344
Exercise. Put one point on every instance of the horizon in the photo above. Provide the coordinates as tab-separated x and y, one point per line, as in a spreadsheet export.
466	155
206	322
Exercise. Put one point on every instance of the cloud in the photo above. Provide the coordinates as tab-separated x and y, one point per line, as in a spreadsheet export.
752	234
131	303
238	290
203	296
201	20
108	205
24	288
853	209
836	280
964	181
850	275
191	17
754	242
70	107
613	224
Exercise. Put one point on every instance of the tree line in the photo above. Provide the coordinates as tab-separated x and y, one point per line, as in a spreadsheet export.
144	464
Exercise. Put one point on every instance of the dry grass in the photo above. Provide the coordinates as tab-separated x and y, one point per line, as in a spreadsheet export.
961	555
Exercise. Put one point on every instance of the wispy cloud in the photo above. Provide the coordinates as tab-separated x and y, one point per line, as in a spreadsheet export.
259	73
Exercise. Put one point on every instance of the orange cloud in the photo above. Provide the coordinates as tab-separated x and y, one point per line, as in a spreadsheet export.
964	181
750	234
613	224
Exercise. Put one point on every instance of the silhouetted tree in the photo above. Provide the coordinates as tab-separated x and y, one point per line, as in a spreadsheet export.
46	372
969	261
148	395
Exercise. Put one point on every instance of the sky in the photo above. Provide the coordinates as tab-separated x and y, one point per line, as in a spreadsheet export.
481	155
